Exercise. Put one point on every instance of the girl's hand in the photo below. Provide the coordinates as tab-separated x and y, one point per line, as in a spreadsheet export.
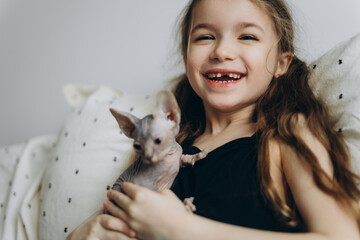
102	226
152	215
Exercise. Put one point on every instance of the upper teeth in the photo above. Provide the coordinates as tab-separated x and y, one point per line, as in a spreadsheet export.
218	75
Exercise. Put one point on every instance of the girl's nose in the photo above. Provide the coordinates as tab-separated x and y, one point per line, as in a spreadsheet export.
223	51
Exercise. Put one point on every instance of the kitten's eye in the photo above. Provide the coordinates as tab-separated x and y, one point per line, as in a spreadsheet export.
137	146
158	141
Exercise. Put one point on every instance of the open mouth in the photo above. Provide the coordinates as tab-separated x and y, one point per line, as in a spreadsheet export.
223	77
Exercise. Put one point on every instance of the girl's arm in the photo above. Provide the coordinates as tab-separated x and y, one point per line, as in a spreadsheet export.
162	216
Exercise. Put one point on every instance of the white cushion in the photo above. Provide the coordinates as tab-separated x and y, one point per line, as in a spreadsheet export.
335	78
91	153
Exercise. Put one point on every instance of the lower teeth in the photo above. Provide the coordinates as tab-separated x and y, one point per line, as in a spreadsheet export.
224	81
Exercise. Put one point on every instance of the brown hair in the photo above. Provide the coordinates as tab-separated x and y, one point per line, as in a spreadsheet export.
277	109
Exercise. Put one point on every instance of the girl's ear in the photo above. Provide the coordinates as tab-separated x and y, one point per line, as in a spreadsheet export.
127	122
284	62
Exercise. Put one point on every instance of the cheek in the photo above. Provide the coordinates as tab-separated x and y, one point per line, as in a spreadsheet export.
197	56
262	62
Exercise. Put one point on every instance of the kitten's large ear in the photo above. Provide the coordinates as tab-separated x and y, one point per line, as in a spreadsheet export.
166	105
127	122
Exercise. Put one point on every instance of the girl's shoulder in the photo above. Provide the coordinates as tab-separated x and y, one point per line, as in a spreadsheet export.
286	155
287	164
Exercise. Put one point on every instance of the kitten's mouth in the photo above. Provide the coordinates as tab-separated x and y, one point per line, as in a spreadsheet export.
223	77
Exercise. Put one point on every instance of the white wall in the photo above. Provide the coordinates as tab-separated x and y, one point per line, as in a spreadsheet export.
45	44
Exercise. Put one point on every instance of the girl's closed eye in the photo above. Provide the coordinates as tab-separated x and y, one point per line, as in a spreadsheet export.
248	37
204	38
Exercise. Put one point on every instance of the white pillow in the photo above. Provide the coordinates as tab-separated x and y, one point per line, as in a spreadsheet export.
91	153
335	78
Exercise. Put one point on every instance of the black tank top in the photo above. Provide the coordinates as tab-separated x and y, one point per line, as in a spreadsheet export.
226	188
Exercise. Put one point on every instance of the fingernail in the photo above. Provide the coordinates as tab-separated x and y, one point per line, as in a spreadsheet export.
109	194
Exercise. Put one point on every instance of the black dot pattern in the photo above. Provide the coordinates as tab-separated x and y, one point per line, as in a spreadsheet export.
340	96
88	130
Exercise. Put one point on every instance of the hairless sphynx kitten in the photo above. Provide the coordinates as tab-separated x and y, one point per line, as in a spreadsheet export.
159	155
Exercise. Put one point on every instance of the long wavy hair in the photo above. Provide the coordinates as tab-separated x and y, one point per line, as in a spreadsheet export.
285	99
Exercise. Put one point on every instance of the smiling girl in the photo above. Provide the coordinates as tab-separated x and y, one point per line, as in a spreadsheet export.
276	170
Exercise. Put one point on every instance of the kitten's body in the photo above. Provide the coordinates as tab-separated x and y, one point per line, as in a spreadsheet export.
159	155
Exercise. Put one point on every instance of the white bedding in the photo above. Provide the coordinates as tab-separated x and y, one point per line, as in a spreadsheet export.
22	167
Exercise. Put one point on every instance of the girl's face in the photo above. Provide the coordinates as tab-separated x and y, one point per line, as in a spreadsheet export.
232	54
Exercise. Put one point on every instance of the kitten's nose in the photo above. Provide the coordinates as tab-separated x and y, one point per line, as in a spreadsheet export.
150	159
147	160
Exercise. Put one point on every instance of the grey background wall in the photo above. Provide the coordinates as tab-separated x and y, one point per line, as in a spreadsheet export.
128	44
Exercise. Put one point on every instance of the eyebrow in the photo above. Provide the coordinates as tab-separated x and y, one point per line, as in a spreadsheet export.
241	25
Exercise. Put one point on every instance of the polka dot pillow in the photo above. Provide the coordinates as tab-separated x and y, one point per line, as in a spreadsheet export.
335	79
91	153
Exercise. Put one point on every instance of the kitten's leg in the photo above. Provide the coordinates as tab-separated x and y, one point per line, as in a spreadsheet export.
189	205
191	159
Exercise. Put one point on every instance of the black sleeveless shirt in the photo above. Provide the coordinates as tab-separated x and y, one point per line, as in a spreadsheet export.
226	188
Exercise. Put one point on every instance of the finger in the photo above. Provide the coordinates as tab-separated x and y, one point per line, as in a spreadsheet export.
169	193
116	211
119	198
132	189
116	224
111	235
98	212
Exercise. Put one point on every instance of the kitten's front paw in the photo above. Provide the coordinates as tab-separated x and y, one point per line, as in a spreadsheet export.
189	205
204	153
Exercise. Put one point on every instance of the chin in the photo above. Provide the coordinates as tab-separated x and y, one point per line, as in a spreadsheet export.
225	106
